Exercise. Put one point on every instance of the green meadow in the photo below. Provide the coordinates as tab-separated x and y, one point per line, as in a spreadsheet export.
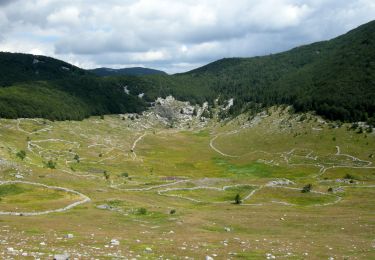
169	193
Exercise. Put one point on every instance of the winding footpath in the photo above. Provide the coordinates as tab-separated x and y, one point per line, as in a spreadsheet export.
135	144
149	188
84	199
45	129
217	150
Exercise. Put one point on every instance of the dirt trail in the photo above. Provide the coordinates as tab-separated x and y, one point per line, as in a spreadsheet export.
84	199
135	144
217	150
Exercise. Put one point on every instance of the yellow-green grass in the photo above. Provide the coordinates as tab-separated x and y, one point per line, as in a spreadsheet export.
209	194
33	125
291	196
367	175
165	156
31	198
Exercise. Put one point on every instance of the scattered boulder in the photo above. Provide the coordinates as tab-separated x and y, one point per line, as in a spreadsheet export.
64	256
337	189
347	181
103	206
279	182
69	236
115	242
148	250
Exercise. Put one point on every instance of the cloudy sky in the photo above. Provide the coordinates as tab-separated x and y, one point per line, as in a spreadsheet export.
172	35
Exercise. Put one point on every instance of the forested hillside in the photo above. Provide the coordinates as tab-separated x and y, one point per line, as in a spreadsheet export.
18	67
39	86
335	78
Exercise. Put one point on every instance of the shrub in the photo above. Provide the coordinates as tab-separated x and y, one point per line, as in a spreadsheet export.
307	188
349	177
354	126
142	211
237	199
173	211
50	164
21	154
330	189
303	118
124	174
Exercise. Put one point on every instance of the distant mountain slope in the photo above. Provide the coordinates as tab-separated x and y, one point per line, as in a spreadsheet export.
19	67
39	86
336	78
135	71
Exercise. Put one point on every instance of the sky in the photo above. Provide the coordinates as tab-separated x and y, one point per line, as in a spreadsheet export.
171	35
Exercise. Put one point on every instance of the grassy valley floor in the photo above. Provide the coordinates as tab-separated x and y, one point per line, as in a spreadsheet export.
132	188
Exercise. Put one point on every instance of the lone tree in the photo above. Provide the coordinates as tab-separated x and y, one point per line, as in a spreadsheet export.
307	188
237	199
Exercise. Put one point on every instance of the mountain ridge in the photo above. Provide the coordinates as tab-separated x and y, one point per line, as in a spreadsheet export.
132	71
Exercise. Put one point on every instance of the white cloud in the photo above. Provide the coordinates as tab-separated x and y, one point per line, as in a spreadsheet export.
68	16
171	34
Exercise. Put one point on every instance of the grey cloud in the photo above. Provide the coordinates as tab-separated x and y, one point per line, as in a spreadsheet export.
5	2
169	34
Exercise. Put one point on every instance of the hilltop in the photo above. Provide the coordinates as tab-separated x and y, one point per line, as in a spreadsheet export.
135	71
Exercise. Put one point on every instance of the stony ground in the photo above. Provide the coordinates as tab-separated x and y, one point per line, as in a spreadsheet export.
163	186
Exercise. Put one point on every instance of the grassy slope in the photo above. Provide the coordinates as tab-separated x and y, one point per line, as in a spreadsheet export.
104	145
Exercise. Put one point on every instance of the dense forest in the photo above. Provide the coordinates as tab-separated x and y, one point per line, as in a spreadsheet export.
335	78
39	86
